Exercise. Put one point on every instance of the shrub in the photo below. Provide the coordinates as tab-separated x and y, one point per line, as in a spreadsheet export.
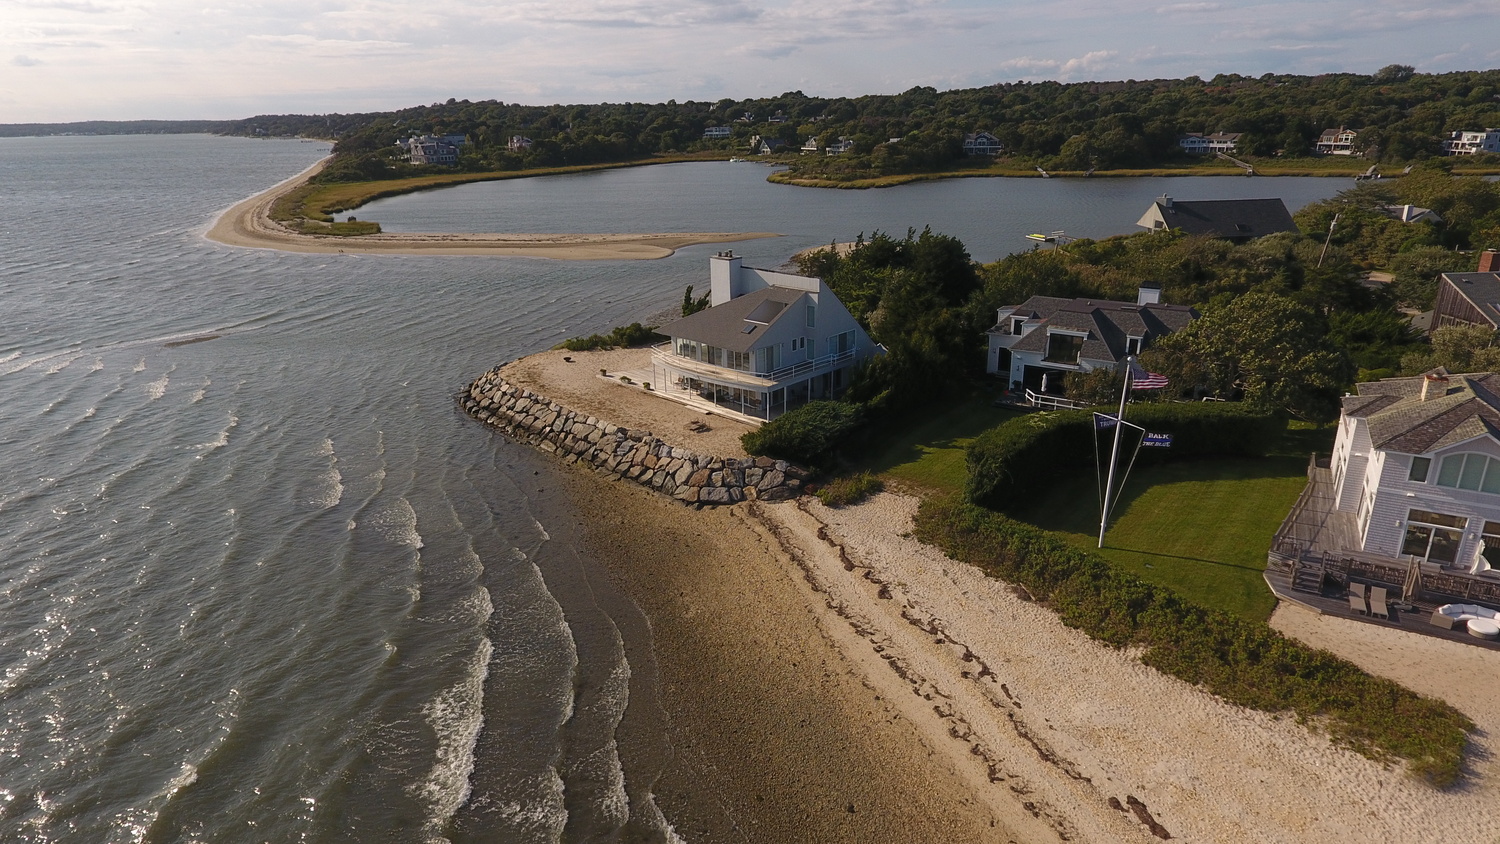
853	489
1242	661
633	334
1016	460
806	435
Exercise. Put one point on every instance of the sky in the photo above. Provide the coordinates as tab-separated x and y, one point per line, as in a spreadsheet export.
63	60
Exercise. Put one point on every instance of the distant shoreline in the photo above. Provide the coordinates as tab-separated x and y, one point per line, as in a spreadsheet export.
248	224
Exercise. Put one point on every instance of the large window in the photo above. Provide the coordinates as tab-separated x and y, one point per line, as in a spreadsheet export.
1433	536
1419	467
1474	472
1063	348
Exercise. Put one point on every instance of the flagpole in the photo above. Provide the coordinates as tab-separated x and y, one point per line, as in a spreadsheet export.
1114	453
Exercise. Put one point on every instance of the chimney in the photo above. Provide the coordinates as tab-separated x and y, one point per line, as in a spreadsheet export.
1489	261
1148	294
1432	381
1166	201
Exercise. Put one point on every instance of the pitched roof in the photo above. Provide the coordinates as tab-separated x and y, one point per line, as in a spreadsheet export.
736	325
1462	408
1481	289
1106	324
1231	218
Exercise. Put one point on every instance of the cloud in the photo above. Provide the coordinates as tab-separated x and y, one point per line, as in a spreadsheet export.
1065	69
335	47
25	61
1188	8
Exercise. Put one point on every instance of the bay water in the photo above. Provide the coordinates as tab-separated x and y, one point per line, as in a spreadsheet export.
260	580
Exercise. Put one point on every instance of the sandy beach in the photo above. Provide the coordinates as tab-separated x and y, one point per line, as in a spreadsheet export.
248	224
813	658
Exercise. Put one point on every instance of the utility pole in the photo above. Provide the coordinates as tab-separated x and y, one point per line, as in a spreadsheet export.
1326	240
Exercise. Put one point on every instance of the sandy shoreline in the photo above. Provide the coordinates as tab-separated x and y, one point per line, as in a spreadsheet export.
248	224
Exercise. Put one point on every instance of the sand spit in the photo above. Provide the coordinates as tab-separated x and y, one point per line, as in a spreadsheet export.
249	224
1038	718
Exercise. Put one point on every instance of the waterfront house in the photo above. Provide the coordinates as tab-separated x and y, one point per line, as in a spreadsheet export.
1410	213
433	149
810	145
717	133
1036	343
1470	143
1470	298
769	342
982	143
1235	220
519	143
843	145
766	146
1338	141
1198	143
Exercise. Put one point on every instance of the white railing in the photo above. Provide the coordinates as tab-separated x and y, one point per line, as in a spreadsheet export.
1056	402
664	353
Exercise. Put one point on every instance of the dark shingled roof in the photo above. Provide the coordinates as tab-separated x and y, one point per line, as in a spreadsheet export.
1236	219
724	325
1482	289
1467	406
1107	324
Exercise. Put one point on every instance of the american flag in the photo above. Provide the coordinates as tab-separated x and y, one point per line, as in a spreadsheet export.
1142	380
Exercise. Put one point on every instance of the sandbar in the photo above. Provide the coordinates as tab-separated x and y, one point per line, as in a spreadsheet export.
248	224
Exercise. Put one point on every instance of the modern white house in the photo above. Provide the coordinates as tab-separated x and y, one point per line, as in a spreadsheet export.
1198	143
1036	343
1470	143
768	342
717	133
1417	465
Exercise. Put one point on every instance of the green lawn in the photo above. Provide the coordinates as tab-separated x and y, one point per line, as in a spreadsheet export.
1202	528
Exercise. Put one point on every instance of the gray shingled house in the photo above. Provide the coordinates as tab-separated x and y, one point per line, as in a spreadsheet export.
768	343
1235	220
1416	471
1470	298
1040	340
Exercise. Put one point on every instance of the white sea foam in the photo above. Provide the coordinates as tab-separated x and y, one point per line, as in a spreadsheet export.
59	367
158	388
10	357
204	449
398	524
97	365
331	485
140	366
202	390
456	716
541	530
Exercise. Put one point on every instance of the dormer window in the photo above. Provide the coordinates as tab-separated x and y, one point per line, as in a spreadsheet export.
1064	348
1133	345
1018	326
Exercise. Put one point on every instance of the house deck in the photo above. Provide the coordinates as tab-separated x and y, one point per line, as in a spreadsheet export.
1312	561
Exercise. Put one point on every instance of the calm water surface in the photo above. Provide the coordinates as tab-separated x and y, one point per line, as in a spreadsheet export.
271	586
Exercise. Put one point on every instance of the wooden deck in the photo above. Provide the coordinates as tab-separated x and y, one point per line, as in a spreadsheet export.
1314	557
1334	600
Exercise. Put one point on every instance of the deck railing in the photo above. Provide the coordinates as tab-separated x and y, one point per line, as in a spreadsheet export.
1055	402
664	354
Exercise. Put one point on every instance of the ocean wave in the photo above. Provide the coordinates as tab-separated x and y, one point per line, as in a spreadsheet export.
456	716
218	442
59	367
398	524
331	485
202	390
158	388
140	366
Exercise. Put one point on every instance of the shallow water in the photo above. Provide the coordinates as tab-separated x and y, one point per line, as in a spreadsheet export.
272	586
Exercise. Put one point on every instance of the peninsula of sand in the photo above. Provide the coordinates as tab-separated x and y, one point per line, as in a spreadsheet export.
249	224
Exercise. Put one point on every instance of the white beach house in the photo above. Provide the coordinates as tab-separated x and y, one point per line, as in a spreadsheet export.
769	342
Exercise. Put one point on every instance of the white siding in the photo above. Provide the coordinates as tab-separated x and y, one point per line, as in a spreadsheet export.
1397	496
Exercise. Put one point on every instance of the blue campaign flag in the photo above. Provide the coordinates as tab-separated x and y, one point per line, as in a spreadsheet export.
1157	441
1104	421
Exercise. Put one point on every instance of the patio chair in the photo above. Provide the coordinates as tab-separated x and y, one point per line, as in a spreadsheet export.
1446	622
1378	604
1357	598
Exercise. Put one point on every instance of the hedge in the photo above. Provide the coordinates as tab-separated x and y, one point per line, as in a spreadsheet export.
633	334
1242	661
807	435
1015	461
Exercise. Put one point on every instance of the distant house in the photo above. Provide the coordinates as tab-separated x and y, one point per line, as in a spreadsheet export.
1235	220
433	149
768	343
1042	339
766	146
1196	143
1470	298
717	133
1338	141
843	145
519	143
1410	213
747	117
982	143
810	145
1469	143
778	117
